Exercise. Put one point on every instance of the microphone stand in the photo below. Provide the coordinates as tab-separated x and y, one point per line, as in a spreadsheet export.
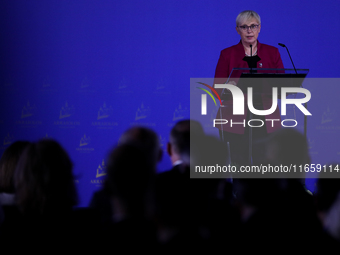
250	117
305	118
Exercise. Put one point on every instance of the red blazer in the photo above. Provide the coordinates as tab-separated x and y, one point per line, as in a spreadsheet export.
232	57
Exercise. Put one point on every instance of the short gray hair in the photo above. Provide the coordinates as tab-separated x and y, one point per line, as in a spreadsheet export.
246	15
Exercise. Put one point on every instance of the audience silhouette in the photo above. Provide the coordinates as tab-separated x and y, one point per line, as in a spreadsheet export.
172	210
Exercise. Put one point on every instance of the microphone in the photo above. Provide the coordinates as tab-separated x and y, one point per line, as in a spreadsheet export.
284	46
251	54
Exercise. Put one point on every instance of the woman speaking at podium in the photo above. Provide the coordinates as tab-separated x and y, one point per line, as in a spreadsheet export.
248	53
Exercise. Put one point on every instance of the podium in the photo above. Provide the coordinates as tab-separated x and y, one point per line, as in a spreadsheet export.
262	81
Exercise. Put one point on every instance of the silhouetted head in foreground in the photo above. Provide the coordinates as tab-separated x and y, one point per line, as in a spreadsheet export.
8	163
146	139
287	146
130	177
44	181
179	141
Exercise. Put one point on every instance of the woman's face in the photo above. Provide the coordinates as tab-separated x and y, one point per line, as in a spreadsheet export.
249	35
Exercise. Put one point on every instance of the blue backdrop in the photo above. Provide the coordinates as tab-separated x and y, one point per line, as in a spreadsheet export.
83	71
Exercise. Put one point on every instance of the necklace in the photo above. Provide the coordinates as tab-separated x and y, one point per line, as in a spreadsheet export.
252	55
